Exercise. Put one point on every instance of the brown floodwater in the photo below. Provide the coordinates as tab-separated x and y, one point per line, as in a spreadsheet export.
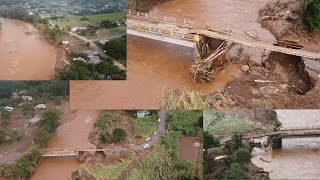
299	158
24	53
153	65
72	134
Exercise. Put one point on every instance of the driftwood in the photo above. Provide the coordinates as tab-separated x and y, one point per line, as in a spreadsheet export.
203	69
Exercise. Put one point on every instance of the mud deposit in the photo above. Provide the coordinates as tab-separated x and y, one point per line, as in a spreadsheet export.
24	53
299	157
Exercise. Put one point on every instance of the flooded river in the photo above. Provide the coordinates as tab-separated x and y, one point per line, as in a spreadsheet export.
24	53
299	158
72	134
153	65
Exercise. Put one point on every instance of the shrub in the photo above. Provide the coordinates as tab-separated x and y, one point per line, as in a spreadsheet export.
209	141
119	134
42	137
241	156
311	14
23	168
234	144
235	172
105	138
51	119
27	110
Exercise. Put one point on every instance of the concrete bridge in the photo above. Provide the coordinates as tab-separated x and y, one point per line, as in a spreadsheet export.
277	136
187	33
68	152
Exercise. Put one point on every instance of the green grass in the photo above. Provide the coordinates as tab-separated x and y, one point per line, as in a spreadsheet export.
93	19
145	127
106	172
234	124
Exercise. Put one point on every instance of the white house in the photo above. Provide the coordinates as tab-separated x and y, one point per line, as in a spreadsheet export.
142	114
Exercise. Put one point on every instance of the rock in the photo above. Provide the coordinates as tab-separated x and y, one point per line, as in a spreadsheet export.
245	68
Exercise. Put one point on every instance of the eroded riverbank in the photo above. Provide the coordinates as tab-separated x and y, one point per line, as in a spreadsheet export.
24	52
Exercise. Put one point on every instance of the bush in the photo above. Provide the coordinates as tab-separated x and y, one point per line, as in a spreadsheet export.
23	168
235	172
105	138
241	156
117	49
27	110
119	134
271	115
84	19
42	137
234	144
209	141
51	119
311	14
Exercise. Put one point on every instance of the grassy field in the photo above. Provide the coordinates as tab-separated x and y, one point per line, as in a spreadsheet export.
94	20
145	127
101	172
233	124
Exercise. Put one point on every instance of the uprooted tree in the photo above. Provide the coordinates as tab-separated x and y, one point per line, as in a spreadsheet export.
207	62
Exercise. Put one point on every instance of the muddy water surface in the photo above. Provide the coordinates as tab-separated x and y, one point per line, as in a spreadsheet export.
299	158
24	53
73	134
153	66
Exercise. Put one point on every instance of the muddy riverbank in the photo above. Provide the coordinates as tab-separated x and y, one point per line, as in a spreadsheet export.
21	61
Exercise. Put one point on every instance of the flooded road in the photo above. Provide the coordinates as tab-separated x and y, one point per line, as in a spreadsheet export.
153	65
72	134
24	53
299	158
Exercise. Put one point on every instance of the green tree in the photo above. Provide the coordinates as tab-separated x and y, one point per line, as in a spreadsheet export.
51	119
311	14
42	137
241	156
234	144
119	134
27	110
234	173
209	141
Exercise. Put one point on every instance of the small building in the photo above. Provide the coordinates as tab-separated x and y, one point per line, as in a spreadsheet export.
8	108
65	43
104	41
142	114
40	106
91	53
35	120
15	96
94	59
79	59
26	98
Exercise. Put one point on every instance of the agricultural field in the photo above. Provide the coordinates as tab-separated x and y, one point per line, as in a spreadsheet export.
93	20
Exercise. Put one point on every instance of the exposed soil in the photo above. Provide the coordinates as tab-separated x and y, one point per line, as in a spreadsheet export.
189	149
143	5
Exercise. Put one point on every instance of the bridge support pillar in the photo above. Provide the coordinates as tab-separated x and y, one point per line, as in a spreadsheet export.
276	142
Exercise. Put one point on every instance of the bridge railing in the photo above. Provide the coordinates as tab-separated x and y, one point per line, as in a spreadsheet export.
301	128
161	31
164	19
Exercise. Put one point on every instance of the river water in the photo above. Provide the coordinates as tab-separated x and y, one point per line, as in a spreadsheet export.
153	65
299	158
24	53
72	134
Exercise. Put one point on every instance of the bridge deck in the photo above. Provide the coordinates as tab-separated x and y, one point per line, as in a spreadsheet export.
260	44
287	132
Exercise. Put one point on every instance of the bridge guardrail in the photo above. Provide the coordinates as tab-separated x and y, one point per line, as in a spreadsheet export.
164	19
161	31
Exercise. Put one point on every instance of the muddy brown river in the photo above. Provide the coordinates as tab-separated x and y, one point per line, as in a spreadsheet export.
299	158
72	134
24	53
153	65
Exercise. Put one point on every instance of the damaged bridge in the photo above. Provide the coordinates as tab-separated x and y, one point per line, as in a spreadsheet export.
188	33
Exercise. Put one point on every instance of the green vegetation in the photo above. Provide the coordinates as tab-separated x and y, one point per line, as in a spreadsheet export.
311	14
209	140
234	144
8	137
78	70
93	20
164	162
101	172
28	110
42	137
188	122
183	100
109	130
22	168
235	172
117	49
241	156
146	126
233	124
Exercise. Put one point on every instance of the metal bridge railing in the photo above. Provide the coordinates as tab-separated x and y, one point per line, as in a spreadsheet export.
161	31
164	19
